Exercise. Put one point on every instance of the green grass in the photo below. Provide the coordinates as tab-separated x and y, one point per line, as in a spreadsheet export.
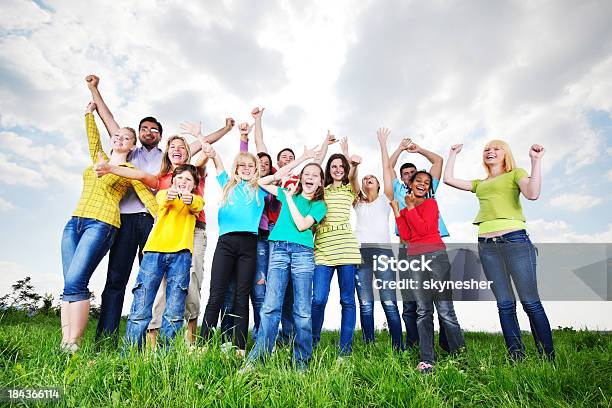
372	376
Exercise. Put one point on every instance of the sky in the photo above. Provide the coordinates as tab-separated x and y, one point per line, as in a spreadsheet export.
440	72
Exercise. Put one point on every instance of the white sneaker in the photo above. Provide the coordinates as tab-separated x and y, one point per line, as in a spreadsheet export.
227	347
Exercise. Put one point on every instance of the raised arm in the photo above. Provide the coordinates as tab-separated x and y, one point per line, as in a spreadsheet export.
403	145
93	135
105	114
257	113
267	182
212	154
195	130
355	161
102	167
302	223
435	159
531	186
383	135
320	155
449	171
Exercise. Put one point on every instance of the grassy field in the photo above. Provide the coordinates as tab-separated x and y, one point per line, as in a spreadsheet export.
371	376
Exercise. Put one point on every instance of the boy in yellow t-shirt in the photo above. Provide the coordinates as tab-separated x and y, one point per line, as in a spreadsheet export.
167	252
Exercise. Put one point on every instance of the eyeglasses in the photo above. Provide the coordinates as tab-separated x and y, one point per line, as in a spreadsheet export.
152	130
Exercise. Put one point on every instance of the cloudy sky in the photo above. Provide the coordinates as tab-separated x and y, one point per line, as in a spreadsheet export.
441	72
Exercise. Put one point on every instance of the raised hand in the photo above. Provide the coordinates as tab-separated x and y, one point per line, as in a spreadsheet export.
92	81
229	123
405	143
91	107
186	197
395	206
101	167
355	160
192	129
344	144
331	139
245	128
257	112
413	148
456	148
208	150
410	200
310	153
536	152
383	134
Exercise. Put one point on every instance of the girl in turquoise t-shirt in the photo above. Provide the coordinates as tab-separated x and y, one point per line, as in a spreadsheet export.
291	257
504	247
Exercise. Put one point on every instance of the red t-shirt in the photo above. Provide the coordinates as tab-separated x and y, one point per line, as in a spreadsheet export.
165	182
419	228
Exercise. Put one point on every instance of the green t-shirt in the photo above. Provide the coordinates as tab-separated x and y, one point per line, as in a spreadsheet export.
285	229
499	197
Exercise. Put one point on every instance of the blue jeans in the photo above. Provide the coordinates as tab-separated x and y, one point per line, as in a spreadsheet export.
85	241
296	262
410	316
258	292
512	256
365	294
154	265
130	240
321	283
427	299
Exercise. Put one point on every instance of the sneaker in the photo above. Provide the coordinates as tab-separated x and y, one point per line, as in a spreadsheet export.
240	353
246	369
424	368
227	347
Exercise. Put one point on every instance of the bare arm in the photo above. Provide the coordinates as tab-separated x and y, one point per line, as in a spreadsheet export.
257	113
383	135
105	114
212	154
449	176
102	167
302	223
320	156
396	154
531	186
355	161
435	159
195	130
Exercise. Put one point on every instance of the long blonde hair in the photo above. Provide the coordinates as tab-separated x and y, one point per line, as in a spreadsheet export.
166	165
234	178
509	163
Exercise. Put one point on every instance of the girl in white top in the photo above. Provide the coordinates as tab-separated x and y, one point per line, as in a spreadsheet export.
374	238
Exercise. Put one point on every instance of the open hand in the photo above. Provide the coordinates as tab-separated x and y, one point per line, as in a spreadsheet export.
191	128
383	134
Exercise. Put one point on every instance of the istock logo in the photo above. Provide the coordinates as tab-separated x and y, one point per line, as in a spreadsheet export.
383	263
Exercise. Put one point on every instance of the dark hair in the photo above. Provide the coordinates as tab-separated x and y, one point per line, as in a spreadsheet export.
151	119
406	166
430	193
347	167
264	154
320	192
191	169
286	149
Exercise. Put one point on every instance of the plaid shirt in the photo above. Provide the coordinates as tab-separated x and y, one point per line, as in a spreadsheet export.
100	197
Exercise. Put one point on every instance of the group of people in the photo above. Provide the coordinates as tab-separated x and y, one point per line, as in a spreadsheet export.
281	239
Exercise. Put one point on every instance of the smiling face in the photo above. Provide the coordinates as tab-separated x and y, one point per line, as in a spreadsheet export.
370	183
264	166
149	134
246	168
285	157
493	154
123	140
420	185
337	170
177	152
184	181
406	174
311	179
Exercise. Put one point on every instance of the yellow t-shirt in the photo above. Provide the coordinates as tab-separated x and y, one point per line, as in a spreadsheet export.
173	230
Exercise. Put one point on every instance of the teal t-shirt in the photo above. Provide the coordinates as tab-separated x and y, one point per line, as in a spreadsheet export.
241	212
285	229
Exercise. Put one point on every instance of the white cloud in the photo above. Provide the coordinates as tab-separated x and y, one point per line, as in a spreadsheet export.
575	202
609	175
14	174
6	205
562	232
